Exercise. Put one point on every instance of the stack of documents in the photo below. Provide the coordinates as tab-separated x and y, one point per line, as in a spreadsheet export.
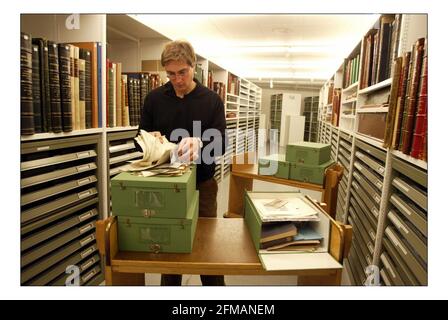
285	209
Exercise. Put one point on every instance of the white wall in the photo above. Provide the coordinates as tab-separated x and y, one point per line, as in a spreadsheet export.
127	52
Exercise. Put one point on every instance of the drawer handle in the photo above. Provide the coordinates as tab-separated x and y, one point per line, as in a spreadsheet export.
86	240
87	264
86	228
86	215
88	276
87	252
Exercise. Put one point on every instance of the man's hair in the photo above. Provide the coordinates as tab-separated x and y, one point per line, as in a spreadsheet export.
179	50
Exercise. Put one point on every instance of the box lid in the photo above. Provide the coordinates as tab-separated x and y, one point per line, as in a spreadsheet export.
160	182
312	145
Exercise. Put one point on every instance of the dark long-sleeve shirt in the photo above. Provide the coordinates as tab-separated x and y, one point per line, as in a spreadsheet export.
164	111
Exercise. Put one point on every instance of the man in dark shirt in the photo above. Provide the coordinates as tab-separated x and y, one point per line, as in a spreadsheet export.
186	112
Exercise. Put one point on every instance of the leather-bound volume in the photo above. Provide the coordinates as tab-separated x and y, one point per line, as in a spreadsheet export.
400	100
86	55
77	114
124	100
55	89
336	106
37	104
44	83
66	88
82	94
392	103
419	141
119	110
413	95
111	93
385	39
406	98
93	106
26	85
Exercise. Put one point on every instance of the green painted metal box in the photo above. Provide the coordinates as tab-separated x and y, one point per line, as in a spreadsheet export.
158	196
159	234
274	165
309	173
309	153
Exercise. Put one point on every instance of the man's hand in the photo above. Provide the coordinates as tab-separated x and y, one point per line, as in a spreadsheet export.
157	134
188	149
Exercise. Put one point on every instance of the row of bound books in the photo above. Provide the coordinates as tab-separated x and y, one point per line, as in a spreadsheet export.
60	85
350	71
125	94
380	48
407	120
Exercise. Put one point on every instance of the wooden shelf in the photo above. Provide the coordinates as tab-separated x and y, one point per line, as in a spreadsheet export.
348	116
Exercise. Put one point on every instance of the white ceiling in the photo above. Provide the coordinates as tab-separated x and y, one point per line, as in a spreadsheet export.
291	49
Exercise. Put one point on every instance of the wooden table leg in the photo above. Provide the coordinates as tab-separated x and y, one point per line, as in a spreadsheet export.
237	186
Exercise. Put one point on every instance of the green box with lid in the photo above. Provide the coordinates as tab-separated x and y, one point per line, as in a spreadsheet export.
173	235
274	165
157	196
309	173
309	153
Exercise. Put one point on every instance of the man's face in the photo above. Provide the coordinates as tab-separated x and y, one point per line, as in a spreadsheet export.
180	75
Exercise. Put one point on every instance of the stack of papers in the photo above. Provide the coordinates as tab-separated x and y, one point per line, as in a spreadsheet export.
285	209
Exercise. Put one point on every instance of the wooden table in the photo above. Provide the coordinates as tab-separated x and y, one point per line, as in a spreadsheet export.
221	247
245	170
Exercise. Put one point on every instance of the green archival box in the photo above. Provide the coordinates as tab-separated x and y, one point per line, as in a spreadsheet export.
309	153
159	234
157	197
254	222
267	164
309	173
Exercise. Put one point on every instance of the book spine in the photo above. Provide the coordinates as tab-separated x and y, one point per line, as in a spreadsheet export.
421	126
82	94
124	99
119	115
393	103
26	85
77	124
88	87
100	84
401	100
130	100
110	108
114	95
37	105
55	90
72	85
44	84
406	98
416	70
66	89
